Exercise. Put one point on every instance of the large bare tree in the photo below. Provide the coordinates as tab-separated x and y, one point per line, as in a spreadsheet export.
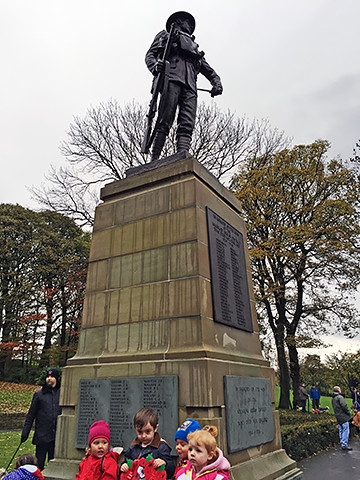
105	143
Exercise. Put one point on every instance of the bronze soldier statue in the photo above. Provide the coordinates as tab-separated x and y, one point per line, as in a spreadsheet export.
175	61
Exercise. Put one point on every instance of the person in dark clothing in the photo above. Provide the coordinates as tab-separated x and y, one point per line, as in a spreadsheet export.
44	409
315	397
149	441
186	62
303	396
343	416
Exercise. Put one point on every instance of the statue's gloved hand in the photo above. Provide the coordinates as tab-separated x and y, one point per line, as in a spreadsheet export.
159	66
216	90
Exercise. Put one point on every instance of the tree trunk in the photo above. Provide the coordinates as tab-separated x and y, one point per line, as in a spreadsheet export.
294	369
45	355
284	401
6	354
63	304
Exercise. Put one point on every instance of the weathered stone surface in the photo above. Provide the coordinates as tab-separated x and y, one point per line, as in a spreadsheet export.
148	310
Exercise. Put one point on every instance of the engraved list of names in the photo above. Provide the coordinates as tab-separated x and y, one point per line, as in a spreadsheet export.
230	291
117	399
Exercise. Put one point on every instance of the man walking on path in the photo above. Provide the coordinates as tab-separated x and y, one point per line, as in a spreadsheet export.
343	416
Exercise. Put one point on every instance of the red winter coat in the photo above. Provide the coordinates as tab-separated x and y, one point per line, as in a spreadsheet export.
105	468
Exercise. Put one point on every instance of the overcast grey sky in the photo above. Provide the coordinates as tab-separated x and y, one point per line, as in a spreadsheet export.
294	63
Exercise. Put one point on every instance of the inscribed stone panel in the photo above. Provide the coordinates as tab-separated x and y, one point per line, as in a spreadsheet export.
249	415
116	400
230	290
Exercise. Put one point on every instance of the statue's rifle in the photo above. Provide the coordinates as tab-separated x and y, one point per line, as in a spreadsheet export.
160	87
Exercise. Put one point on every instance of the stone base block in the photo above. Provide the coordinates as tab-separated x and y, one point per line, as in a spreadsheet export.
275	465
59	469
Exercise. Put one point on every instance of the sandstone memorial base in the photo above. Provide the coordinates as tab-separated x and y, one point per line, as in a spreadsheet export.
150	333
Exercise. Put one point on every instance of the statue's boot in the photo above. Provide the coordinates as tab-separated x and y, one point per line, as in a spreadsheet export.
157	145
183	143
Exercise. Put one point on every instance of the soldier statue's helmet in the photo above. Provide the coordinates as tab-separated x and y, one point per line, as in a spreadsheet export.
181	15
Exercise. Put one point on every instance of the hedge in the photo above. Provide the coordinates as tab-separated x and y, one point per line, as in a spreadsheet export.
304	434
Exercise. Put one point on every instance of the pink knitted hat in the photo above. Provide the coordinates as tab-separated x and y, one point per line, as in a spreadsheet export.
99	429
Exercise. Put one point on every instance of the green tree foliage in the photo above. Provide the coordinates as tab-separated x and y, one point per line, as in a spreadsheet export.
314	372
345	369
16	247
302	215
43	262
341	368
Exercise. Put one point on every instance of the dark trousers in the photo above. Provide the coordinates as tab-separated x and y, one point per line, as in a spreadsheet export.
41	451
315	403
182	97
303	405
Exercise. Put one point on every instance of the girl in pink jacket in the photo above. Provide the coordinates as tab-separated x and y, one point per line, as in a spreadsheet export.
206	460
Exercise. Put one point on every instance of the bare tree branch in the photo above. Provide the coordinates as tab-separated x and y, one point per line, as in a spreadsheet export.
107	142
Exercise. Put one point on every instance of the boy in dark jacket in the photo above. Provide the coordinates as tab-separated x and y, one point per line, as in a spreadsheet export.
44	409
149	441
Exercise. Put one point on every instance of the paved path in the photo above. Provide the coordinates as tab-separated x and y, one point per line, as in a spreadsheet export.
334	463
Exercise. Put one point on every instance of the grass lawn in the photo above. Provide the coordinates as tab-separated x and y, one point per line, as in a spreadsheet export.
14	397
9	442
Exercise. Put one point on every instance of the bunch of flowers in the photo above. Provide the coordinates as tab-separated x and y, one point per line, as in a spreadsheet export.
143	469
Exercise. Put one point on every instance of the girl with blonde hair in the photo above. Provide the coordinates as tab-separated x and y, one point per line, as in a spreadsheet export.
206	460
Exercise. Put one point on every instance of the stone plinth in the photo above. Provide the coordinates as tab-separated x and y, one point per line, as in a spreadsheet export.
148	310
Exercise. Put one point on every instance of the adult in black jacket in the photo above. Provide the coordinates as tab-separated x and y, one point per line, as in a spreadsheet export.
44	409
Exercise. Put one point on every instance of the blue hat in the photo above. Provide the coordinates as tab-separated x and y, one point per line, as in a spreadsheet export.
187	427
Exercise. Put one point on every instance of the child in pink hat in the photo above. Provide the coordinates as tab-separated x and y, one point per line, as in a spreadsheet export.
100	462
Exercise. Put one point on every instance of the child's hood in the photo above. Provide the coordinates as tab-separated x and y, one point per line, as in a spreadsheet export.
114	454
221	463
